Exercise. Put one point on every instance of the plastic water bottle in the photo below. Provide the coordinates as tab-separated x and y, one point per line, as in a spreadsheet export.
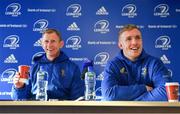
90	82
42	85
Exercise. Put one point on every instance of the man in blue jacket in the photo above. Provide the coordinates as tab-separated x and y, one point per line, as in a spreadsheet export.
133	75
64	82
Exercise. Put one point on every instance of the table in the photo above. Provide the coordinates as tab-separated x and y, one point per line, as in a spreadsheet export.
88	107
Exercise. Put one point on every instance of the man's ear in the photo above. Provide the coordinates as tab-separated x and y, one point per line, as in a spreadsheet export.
61	44
119	45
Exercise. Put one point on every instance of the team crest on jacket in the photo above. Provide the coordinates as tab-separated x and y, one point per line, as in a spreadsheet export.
62	72
144	71
123	70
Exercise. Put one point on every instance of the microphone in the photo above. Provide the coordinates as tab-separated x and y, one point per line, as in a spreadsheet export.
85	66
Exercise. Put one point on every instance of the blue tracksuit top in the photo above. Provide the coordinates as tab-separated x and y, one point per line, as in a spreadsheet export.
126	80
64	82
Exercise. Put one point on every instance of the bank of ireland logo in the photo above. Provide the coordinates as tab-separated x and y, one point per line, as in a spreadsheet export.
11	42
8	74
129	10
101	26
163	42
40	25
101	58
161	10
13	9
73	42
74	10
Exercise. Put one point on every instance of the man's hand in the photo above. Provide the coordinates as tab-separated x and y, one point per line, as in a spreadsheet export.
149	88
16	81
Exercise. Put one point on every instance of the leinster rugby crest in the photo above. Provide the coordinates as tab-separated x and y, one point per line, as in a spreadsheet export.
123	70
144	72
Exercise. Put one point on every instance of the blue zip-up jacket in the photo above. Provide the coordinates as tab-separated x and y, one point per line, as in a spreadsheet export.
126	80
64	82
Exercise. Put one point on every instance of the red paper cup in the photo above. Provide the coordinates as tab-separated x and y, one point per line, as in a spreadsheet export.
24	72
172	90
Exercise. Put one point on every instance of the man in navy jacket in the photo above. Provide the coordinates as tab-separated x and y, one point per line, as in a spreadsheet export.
133	75
64	82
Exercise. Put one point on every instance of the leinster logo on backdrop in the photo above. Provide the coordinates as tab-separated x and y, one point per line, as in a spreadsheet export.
163	42
73	42
129	10
161	10
74	10
13	9
101	26
11	41
8	74
170	73
40	25
101	58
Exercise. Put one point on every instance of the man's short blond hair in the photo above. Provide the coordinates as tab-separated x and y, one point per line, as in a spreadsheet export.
127	28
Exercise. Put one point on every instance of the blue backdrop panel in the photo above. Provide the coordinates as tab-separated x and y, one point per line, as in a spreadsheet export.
89	29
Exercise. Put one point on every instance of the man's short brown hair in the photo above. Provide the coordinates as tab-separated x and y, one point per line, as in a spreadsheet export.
50	30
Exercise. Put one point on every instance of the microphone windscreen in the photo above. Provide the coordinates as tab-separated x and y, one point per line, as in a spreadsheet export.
83	73
85	66
87	63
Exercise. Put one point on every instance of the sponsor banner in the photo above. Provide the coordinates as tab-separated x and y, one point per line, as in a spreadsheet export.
90	31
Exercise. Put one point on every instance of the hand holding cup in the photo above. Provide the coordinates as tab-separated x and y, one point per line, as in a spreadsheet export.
17	82
21	76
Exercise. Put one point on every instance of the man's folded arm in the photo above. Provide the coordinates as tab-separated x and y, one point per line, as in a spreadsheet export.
126	93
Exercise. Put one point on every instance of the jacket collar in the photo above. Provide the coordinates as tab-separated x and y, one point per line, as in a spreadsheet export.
43	59
142	56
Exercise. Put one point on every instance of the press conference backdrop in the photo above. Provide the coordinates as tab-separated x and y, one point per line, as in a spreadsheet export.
89	29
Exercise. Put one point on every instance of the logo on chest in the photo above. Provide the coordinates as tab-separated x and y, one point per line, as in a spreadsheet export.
62	72
144	72
123	70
